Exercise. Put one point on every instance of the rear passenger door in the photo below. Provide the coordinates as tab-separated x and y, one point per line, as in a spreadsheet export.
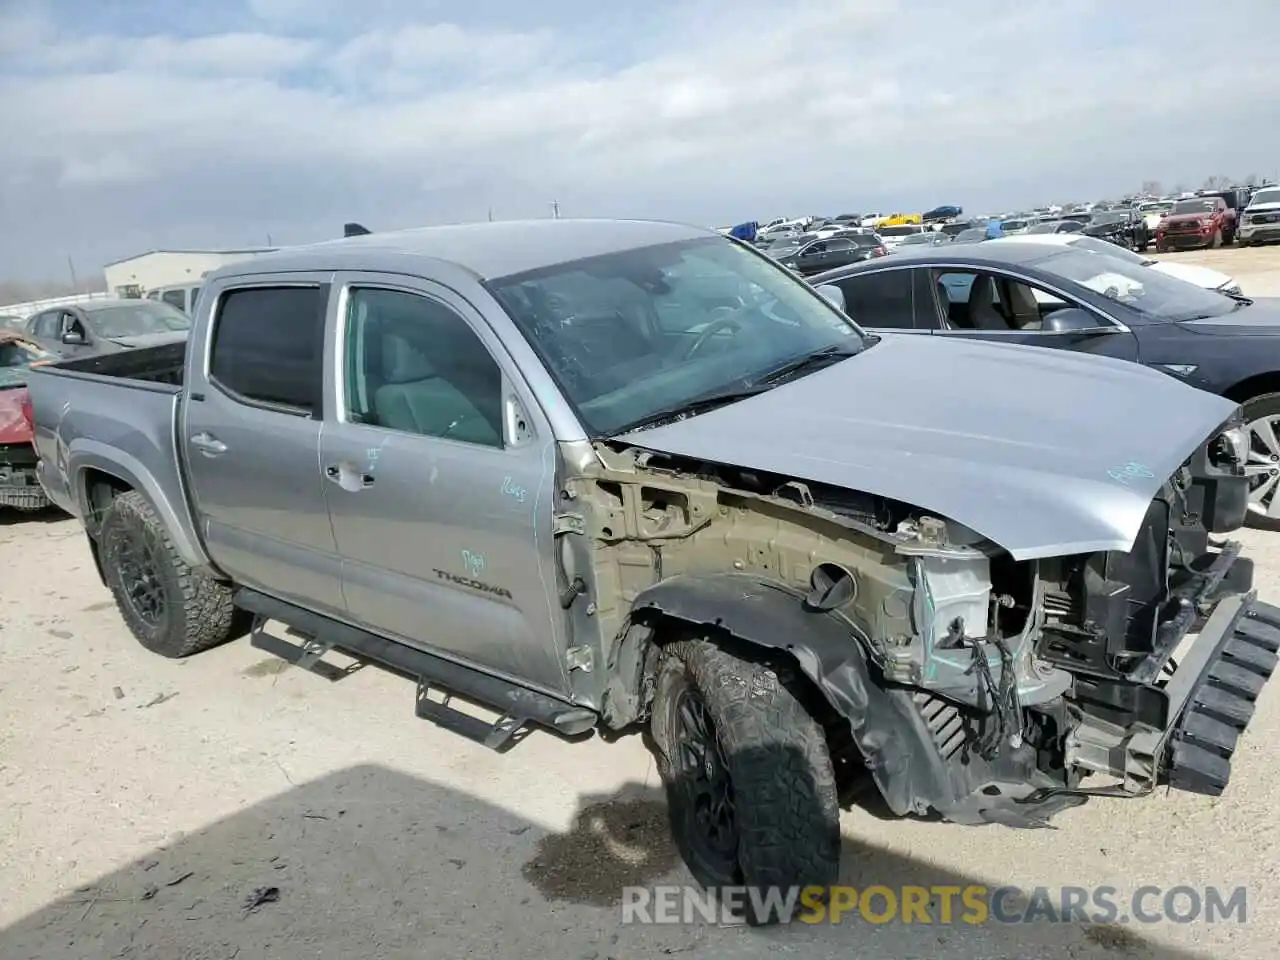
250	437
439	470
886	299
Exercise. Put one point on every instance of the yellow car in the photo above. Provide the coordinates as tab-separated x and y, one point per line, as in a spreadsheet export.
898	219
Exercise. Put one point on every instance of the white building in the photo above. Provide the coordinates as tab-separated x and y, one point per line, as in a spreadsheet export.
135	276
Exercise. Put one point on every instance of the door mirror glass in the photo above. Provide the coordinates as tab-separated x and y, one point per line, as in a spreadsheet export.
833	293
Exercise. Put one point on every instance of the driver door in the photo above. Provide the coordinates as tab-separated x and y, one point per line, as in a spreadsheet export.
992	305
438	473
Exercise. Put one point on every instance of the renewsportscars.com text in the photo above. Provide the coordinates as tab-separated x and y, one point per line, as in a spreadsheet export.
937	905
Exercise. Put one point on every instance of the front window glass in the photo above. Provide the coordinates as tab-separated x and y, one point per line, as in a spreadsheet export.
1265	196
1141	288
630	334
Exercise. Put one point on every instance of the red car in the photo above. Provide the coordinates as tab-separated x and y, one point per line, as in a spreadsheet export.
18	485
1196	222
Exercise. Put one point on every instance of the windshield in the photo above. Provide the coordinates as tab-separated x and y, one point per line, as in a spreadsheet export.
1150	292
1014	224
1265	196
899	231
137	319
1109	217
864	239
918	238
973	233
1050	226
1161	207
1094	245
1195	206
629	334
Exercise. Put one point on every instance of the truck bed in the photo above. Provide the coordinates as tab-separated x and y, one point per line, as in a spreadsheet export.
152	365
112	416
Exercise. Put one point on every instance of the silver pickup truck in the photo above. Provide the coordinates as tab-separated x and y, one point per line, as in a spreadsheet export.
599	474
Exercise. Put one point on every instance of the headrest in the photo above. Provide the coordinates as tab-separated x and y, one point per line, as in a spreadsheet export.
402	362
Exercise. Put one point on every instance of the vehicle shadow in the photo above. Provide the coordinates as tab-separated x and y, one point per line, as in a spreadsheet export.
369	862
11	516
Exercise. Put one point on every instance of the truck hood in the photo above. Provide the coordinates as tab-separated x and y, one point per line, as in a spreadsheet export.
1186	217
1200	276
1044	452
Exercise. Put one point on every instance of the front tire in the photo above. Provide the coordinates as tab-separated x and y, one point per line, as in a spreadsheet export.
1262	414
171	609
750	783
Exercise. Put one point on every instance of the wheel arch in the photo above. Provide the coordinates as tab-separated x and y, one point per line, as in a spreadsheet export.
763	616
1250	388
100	474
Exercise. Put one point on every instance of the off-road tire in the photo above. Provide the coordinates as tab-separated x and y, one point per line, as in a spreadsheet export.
1267	405
198	611
783	785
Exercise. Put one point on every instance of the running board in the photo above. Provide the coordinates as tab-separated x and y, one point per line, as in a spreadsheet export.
1222	702
517	705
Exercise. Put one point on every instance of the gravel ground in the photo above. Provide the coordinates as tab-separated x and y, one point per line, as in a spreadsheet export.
146	801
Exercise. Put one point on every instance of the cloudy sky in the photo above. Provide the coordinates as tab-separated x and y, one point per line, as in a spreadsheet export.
135	124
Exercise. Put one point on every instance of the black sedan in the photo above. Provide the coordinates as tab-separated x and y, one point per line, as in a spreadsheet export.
818	255
1072	299
1126	227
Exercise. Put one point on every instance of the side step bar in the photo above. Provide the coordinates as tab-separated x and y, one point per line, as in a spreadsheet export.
517	705
1222	701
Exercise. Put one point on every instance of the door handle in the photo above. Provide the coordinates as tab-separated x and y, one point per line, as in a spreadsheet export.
208	444
347	479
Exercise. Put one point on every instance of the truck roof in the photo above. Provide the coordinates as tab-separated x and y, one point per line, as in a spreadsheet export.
487	249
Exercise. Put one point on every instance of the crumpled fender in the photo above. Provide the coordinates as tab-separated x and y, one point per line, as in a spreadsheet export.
889	731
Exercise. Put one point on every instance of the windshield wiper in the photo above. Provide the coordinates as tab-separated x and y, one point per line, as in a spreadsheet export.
690	408
810	361
1240	299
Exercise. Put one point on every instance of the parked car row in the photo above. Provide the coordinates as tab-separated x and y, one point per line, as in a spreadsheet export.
606	474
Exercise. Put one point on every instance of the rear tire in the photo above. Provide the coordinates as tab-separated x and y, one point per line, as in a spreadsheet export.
780	817
171	609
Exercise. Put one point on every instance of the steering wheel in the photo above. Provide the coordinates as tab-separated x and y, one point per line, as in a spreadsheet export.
733	319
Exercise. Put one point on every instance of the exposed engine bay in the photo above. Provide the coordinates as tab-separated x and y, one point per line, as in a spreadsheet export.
1009	681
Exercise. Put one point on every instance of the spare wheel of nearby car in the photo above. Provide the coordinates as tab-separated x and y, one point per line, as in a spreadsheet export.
1263	416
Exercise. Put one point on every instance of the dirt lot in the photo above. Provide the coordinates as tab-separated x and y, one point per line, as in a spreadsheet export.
145	801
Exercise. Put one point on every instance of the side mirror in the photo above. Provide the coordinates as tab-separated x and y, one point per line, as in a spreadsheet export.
73	337
833	294
1072	320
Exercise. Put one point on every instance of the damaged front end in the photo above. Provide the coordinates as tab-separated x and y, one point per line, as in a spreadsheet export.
974	686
